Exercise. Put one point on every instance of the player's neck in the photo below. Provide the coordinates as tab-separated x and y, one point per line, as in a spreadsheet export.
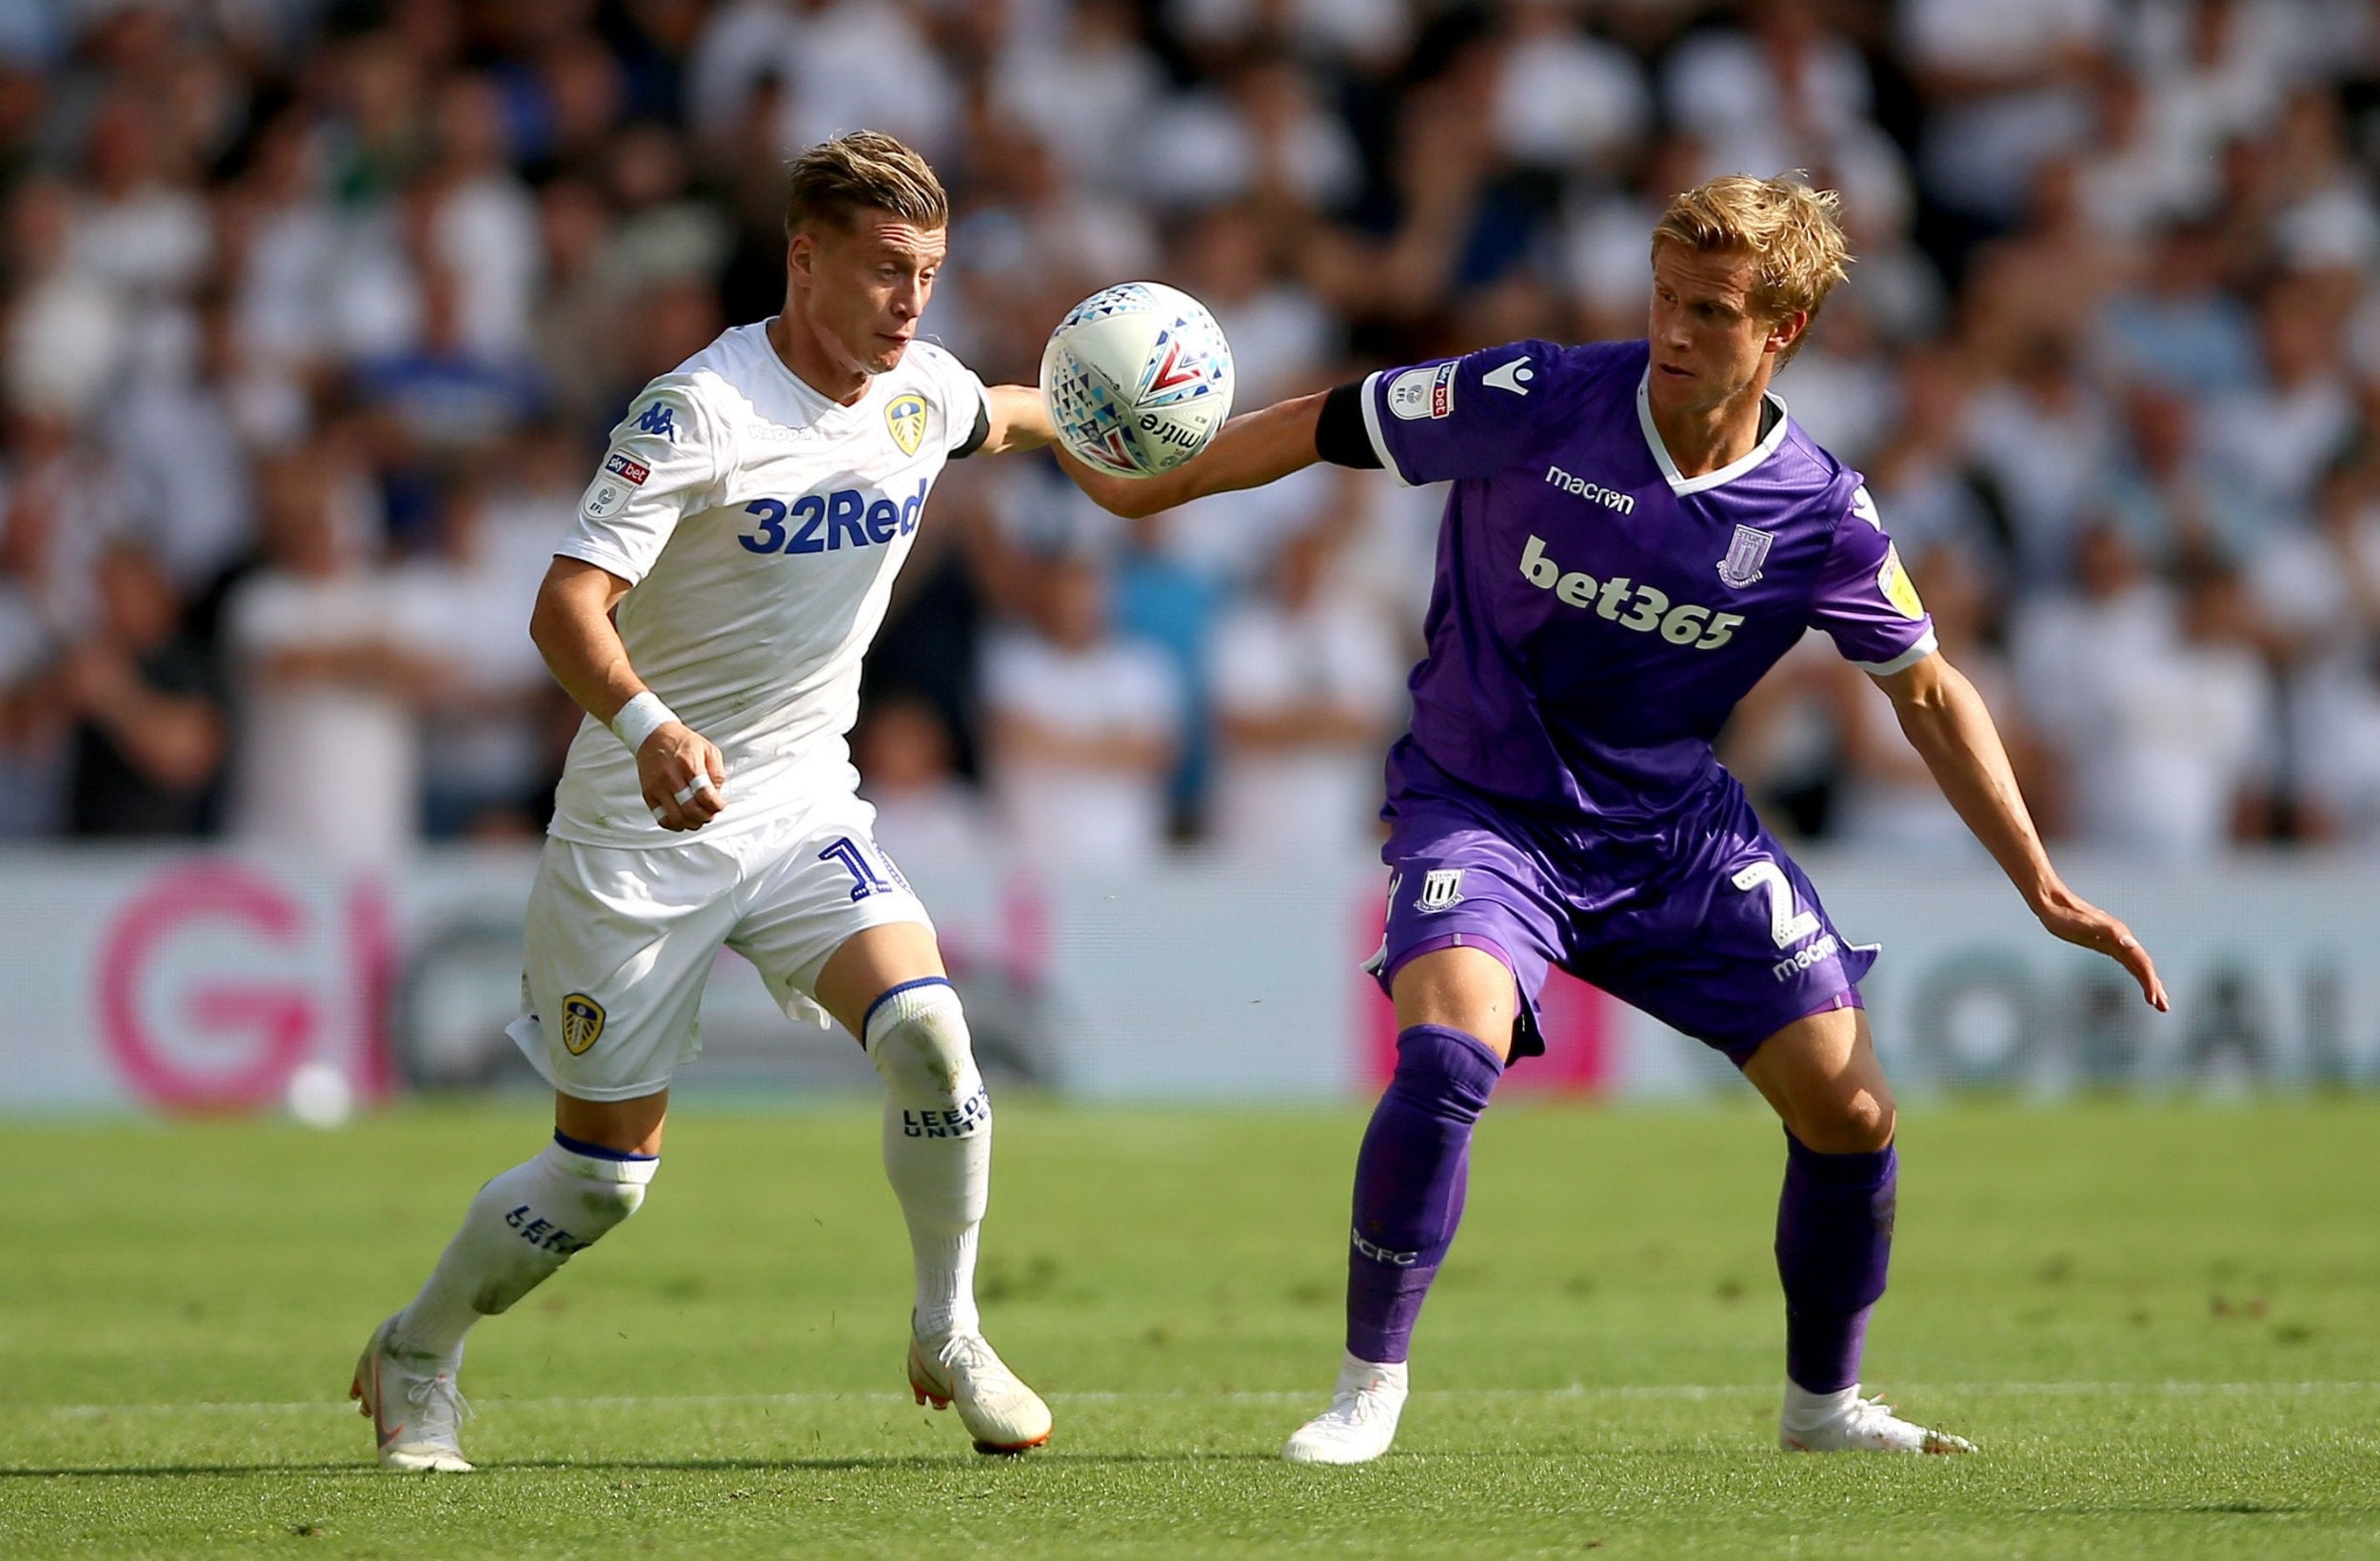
797	346
1701	440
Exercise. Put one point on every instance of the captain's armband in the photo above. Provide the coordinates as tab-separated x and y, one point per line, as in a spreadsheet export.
1340	436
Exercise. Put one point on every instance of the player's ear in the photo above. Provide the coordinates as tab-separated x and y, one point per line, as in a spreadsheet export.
1786	329
801	254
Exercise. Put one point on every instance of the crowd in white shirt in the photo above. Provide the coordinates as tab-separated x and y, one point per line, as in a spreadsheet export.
318	313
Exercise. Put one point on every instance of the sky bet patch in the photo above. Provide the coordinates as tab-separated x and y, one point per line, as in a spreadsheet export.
632	472
1424	392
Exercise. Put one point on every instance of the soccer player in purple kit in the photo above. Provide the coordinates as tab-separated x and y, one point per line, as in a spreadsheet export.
1636	532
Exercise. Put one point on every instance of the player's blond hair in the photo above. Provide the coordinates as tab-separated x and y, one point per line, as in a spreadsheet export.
866	171
1782	224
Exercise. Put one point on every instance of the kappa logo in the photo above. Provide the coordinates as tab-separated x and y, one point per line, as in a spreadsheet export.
906	416
1424	392
1514	376
1746	552
1441	888
656	418
582	1022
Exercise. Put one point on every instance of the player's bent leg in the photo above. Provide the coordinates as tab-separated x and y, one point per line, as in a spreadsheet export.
1821	1075
886	985
1834	1230
1455	1009
520	1228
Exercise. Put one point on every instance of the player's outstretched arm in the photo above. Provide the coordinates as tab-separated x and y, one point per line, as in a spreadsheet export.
1947	724
684	778
1249	451
1019	420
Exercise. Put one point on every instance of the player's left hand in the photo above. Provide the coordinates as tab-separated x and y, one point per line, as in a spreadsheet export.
2070	916
682	776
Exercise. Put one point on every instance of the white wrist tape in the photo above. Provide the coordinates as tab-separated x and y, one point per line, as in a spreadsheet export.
640	718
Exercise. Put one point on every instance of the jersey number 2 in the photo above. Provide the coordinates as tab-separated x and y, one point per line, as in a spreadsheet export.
1786	926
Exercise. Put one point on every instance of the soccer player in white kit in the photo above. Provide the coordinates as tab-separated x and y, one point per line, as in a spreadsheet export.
730	563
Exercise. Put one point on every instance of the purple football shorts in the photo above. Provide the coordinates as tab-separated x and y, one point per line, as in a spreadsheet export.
1712	928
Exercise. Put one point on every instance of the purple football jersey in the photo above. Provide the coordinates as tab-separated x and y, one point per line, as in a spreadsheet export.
1595	615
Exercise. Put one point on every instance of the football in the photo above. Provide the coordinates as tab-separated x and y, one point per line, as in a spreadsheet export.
1136	378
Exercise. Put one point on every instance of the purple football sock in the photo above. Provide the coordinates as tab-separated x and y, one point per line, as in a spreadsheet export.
1410	1177
1834	1243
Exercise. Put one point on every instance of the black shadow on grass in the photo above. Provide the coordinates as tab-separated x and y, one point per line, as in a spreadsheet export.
915	1461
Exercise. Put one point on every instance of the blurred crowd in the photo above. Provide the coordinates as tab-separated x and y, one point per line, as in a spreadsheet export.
314	314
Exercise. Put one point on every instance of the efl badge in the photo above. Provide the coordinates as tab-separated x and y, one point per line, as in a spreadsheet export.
605	497
905	417
1741	568
1440	888
1893	581
1424	392
582	1022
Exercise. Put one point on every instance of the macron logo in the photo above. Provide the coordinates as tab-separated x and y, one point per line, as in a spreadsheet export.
1802	959
1514	376
1593	493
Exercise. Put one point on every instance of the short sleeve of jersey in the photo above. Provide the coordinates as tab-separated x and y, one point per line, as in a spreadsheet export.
667	458
966	405
1460	417
1864	598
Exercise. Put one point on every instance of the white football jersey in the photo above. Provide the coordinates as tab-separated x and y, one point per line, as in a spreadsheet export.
760	525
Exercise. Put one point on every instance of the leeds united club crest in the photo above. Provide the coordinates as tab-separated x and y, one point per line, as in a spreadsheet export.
582	1022
905	417
1741	568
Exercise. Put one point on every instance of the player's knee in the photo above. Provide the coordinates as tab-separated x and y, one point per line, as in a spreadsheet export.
1859	1124
1446	1071
917	1038
603	1190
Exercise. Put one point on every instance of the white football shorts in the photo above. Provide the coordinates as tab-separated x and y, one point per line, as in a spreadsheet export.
620	940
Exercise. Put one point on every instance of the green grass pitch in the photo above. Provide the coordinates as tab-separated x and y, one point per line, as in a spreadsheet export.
2161	1320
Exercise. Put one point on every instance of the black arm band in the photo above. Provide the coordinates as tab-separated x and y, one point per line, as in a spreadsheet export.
974	440
1340	437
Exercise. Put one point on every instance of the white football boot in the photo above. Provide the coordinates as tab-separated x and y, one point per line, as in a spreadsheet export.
417	1415
1001	1414
1869	1425
1361	1420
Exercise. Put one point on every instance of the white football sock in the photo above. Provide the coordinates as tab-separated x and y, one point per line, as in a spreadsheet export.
521	1227
1354	1371
1807	1411
937	1143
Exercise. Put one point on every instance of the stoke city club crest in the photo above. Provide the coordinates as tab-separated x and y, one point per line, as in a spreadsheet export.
1745	554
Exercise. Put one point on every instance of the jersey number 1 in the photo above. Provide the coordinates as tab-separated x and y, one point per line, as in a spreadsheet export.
865	880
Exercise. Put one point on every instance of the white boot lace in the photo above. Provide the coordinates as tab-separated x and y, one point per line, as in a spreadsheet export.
439	1405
